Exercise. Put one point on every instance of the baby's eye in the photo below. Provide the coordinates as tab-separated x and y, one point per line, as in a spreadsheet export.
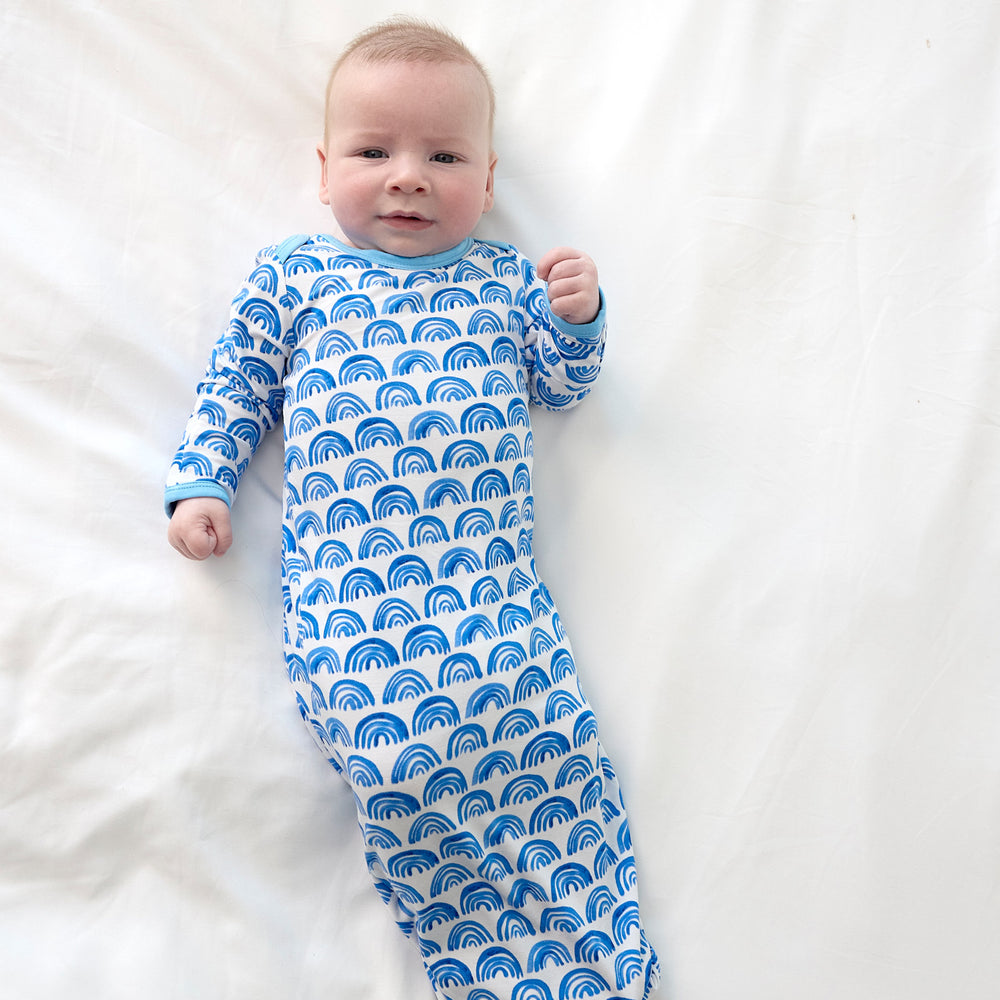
372	154
444	158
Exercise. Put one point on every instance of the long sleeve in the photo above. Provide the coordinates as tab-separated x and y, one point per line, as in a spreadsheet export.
241	395
563	359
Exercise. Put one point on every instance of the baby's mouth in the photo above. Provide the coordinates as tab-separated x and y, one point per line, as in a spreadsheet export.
406	220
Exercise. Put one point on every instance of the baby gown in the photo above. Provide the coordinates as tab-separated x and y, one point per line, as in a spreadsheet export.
427	657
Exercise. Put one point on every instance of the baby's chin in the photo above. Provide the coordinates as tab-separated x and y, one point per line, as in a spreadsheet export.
400	237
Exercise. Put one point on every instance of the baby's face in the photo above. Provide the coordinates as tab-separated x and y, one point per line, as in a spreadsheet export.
407	168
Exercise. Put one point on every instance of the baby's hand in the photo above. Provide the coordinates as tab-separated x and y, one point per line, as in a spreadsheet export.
201	526
572	279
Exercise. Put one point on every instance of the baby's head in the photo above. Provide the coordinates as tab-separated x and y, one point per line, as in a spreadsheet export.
406	39
407	160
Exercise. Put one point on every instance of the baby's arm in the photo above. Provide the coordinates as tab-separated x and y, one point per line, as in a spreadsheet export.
201	526
574	295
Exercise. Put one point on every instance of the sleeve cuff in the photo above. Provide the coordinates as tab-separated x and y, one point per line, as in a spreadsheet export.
198	488
583	331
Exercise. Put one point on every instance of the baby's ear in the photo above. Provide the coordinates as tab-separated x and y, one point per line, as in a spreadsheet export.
488	199
324	187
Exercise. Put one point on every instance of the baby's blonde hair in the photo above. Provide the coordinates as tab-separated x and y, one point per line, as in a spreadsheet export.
407	39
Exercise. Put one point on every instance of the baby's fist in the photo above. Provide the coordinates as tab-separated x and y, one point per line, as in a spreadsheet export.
571	275
200	527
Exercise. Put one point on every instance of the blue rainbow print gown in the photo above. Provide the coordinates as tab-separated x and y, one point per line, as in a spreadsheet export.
427	657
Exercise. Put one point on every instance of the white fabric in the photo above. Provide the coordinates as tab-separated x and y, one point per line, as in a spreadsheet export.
771	530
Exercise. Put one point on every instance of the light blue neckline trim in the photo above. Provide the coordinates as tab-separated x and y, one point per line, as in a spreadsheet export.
443	259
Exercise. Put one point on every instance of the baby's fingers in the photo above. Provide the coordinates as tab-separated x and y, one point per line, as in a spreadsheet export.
200	527
571	277
560	256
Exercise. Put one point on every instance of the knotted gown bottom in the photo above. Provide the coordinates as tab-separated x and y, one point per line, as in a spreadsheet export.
492	819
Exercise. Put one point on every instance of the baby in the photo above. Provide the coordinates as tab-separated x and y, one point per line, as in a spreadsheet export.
427	657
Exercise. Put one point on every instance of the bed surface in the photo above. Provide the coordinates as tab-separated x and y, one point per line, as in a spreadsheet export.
771	530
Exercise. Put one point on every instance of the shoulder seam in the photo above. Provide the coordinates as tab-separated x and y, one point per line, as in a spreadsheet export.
499	245
285	249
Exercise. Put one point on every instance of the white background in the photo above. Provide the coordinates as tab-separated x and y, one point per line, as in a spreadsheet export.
772	530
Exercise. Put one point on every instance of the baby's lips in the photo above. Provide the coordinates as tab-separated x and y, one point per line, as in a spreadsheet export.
403	220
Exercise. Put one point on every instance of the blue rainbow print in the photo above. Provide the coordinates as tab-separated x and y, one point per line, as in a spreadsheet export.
425	654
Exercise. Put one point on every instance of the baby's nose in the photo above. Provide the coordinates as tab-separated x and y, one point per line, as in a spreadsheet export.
408	175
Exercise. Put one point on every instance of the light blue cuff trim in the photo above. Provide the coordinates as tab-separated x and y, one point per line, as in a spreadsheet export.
198	488
584	331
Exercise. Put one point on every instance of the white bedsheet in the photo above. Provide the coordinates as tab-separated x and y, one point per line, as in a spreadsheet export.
772	530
